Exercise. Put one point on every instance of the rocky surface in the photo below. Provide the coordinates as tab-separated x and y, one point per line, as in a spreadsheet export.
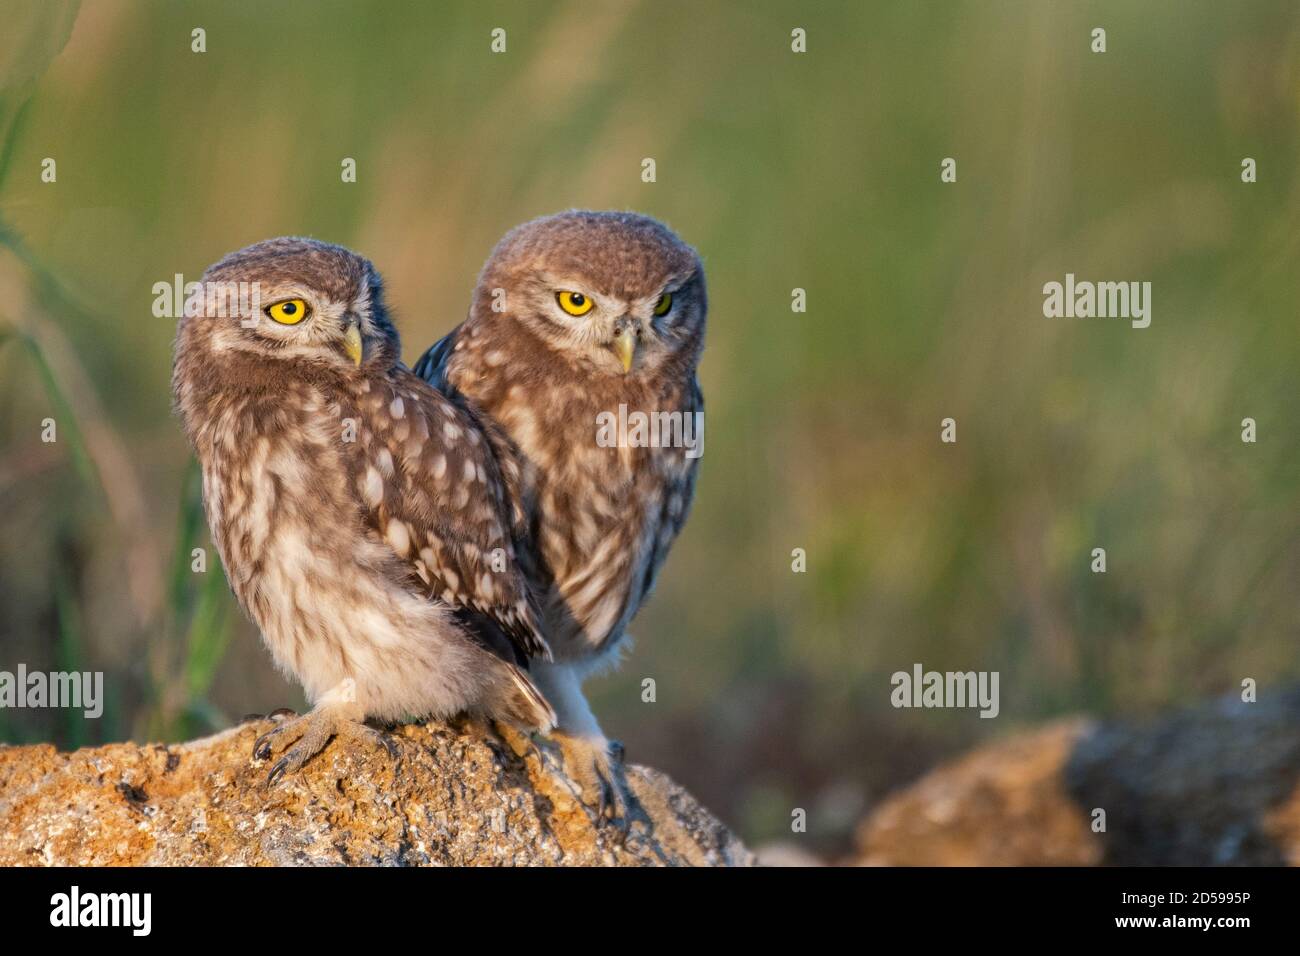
1001	805
454	795
1218	784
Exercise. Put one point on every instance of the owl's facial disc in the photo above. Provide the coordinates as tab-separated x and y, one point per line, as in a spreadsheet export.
304	323
616	331
294	311
311	302
603	326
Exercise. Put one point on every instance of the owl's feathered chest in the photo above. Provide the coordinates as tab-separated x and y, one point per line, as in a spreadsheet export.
271	465
602	512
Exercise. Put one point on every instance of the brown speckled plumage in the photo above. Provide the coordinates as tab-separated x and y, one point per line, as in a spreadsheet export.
360	515
600	520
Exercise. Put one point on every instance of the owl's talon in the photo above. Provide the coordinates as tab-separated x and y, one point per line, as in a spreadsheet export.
301	738
591	763
282	712
277	771
262	747
614	804
359	731
617	752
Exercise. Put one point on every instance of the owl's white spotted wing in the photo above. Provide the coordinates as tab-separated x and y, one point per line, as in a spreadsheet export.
434	368
429	484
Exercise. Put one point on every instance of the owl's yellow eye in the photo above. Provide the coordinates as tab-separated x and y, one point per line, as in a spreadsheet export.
288	312
574	303
664	304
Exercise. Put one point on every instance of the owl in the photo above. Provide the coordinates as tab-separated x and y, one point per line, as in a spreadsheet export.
361	516
578	320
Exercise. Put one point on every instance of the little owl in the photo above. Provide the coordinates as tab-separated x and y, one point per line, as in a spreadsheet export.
575	315
362	516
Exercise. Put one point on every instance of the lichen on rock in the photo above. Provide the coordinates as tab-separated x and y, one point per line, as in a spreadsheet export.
455	795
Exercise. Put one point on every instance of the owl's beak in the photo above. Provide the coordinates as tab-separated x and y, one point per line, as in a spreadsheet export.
352	343
625	346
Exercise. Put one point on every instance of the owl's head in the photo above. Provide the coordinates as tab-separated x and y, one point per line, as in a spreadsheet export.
614	292
296	300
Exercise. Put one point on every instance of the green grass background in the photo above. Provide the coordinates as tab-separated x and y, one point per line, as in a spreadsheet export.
818	171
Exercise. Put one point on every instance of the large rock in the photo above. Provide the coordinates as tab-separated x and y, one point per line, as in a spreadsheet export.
455	795
1217	784
1006	804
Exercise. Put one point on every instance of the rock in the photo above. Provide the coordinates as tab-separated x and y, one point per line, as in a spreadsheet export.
1218	784
455	795
1001	805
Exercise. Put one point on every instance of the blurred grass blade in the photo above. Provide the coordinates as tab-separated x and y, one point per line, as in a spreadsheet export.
33	34
67	418
69	655
190	520
208	635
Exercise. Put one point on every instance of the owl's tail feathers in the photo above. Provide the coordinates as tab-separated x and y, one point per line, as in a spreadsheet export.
525	704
